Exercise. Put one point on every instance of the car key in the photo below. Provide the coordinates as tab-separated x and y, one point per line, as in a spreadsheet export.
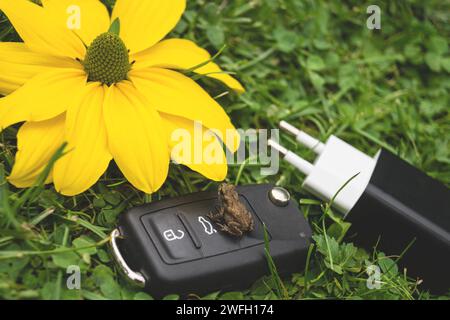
171	246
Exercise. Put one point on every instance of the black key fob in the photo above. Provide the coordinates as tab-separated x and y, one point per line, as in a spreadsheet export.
172	247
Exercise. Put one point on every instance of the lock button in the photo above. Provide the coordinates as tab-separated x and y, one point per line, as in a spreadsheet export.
171	237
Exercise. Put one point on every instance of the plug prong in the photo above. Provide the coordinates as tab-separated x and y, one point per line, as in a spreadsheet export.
303	138
282	150
300	163
289	128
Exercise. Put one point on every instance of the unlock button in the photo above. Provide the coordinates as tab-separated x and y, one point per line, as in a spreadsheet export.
171	237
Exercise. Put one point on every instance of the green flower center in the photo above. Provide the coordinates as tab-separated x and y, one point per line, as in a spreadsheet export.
107	59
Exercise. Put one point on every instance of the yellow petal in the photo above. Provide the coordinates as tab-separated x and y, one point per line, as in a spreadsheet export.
183	54
196	147
40	31
145	22
43	97
173	93
87	18
136	137
87	155
18	64
37	142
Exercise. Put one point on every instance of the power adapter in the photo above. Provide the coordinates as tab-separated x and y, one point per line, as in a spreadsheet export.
390	204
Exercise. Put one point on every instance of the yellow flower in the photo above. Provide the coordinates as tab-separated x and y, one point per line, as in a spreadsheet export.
108	96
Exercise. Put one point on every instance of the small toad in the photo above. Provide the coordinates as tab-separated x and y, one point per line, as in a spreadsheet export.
231	215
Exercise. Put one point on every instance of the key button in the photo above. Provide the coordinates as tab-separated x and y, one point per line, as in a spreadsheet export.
171	237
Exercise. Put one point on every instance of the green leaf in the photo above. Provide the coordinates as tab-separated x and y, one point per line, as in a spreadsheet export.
286	39
348	75
13	267
232	296
446	64
103	256
48	290
102	272
142	296
104	278
112	198
438	45
413	52
212	296
212	13
317	81
66	259
82	242
433	60
321	44
216	36
315	63
99	203
338	230
115	27
387	265
110	289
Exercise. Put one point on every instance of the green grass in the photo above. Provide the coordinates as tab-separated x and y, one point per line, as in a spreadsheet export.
313	63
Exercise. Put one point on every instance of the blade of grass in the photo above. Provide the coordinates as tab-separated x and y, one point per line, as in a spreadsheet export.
5	207
281	289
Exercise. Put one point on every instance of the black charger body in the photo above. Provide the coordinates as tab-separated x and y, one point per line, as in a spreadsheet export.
406	214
